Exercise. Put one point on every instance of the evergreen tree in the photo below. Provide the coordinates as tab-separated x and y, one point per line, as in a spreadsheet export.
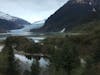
35	69
12	65
66	57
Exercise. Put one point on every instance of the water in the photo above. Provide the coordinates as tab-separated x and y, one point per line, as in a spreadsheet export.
36	39
1	47
25	63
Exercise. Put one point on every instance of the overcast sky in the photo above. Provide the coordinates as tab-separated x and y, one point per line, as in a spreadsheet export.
31	10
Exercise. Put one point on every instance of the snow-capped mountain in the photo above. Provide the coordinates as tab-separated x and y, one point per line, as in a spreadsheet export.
38	24
12	18
8	22
6	16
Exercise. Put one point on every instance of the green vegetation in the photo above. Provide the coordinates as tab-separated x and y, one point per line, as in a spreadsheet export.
87	27
68	55
8	65
35	68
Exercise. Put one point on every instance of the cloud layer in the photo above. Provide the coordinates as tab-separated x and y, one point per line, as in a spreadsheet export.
31	10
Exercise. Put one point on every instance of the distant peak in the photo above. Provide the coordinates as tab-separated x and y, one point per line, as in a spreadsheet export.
6	16
39	22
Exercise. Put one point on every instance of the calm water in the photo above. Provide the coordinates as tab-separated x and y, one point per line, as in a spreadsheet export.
25	63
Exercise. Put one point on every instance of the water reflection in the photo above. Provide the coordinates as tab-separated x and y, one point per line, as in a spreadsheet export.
25	63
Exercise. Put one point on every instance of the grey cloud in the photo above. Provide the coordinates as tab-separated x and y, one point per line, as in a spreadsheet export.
28	9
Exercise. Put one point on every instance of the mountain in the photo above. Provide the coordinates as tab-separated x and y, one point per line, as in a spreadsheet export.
74	13
38	24
27	28
8	22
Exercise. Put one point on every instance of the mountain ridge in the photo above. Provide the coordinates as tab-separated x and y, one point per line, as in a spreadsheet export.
72	14
8	22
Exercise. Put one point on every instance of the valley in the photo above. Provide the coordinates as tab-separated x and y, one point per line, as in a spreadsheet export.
65	43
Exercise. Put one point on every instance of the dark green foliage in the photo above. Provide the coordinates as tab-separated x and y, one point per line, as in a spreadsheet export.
35	48
8	63
35	69
88	27
12	69
63	54
3	63
20	42
66	52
